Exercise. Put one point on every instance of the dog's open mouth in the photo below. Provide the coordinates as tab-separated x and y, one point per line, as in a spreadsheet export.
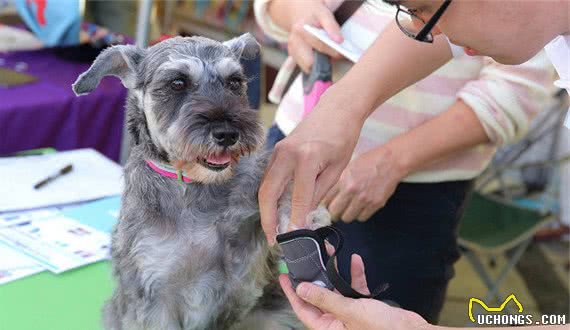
216	162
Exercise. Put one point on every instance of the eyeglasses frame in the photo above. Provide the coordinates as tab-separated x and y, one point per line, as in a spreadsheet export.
425	34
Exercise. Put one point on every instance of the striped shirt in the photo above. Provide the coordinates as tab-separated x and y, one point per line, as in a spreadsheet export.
504	98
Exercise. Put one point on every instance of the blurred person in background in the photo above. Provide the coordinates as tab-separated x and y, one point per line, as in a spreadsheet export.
416	155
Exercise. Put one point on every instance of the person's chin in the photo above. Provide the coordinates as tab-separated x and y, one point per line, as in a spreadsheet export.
509	60
510	57
497	55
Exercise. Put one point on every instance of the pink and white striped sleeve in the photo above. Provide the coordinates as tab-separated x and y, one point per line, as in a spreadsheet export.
266	23
505	98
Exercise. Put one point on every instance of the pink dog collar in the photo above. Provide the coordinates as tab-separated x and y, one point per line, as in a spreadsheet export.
168	171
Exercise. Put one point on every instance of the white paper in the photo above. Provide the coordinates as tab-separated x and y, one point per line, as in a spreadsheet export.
93	176
347	48
12	39
15	265
58	243
14	218
354	48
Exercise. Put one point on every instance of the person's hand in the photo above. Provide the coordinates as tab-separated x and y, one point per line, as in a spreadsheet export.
313	156
321	309
301	43
365	185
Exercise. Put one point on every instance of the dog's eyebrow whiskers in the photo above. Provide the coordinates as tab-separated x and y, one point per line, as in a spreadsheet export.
192	66
226	67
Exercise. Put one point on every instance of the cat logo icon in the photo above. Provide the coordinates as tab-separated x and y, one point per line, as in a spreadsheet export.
493	309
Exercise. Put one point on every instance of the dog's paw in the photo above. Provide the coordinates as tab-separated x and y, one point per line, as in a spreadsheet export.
320	217
316	219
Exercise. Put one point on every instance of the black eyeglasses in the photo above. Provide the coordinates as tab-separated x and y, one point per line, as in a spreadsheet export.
422	32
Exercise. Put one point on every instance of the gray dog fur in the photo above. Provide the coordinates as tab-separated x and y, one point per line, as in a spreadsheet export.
194	256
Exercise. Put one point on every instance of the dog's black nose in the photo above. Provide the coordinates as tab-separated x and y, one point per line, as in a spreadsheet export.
225	136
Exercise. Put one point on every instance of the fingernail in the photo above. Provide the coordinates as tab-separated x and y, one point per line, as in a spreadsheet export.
337	38
303	290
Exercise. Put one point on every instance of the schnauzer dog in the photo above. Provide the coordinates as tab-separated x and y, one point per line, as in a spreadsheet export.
188	251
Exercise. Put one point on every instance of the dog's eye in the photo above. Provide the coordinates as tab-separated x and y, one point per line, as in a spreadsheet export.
178	84
234	83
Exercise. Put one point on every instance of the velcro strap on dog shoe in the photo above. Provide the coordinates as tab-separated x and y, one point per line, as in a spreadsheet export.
307	260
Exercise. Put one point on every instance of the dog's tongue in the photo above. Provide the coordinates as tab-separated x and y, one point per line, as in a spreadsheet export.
220	159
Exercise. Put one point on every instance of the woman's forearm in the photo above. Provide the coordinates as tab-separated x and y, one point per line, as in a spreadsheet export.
392	63
452	131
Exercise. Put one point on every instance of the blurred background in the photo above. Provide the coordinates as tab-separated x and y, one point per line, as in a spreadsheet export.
514	235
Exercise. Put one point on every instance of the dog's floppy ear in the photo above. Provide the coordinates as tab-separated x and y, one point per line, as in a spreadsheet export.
244	46
119	61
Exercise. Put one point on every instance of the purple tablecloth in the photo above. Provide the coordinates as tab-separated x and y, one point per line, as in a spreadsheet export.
46	113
